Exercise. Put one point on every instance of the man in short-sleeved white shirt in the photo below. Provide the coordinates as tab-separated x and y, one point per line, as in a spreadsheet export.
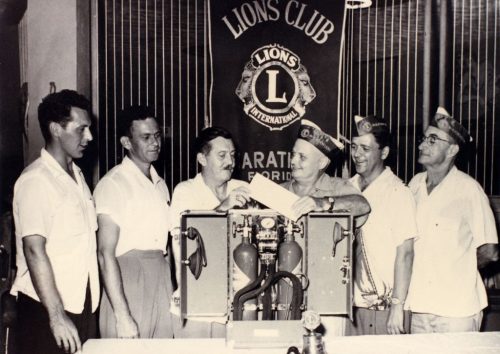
457	235
57	284
211	189
138	204
384	247
132	204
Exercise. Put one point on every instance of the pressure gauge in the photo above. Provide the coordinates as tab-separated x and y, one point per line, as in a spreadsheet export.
267	223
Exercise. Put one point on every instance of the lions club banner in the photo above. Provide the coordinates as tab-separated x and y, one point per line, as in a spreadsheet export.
274	62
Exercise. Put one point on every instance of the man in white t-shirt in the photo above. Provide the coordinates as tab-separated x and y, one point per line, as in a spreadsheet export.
457	235
57	281
132	204
211	189
384	247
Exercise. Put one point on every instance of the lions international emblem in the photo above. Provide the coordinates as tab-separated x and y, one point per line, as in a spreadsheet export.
365	126
275	87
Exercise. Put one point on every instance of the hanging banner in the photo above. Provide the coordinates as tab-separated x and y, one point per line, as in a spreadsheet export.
274	62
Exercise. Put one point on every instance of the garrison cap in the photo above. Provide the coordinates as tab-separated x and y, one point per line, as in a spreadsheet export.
370	124
445	122
313	134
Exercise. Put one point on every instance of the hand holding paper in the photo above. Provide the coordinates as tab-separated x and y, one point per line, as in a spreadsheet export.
273	196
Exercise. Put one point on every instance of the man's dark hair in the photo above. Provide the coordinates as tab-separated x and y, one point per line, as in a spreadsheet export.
201	143
383	139
56	107
128	115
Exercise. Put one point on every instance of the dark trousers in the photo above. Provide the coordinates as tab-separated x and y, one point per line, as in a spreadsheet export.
33	329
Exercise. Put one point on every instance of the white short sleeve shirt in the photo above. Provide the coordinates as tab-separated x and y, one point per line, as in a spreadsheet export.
194	194
391	222
138	205
49	203
453	221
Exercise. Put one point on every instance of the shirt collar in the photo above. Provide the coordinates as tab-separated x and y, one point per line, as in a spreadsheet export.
381	178
132	167
54	166
198	179
451	173
323	183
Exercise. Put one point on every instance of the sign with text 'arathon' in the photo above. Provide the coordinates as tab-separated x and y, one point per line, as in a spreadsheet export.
274	62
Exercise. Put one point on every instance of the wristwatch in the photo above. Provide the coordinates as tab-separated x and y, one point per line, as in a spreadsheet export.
396	301
328	206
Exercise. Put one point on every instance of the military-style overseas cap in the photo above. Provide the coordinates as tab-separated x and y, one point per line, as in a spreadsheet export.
313	134
370	124
445	122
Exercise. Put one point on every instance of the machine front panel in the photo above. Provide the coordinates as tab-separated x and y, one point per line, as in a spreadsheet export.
330	277
207	295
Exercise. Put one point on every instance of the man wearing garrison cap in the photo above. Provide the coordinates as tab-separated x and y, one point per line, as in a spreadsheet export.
456	235
384	247
311	155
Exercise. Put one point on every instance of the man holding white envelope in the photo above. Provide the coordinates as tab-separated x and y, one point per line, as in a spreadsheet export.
311	155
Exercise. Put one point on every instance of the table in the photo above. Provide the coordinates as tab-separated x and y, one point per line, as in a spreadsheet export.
448	343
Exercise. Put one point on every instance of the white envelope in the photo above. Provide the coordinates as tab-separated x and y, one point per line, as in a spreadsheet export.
273	196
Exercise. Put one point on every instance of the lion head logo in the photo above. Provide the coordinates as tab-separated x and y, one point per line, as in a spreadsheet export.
275	87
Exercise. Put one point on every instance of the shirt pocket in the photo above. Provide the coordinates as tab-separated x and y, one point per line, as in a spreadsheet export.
69	219
446	232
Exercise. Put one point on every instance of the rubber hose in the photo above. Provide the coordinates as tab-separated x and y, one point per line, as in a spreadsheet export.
237	308
296	297
267	301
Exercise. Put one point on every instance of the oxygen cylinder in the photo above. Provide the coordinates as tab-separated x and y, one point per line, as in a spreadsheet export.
245	265
289	259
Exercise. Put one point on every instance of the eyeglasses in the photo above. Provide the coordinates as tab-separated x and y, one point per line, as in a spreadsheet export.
431	139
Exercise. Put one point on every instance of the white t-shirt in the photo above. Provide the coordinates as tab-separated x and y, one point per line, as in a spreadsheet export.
453	221
138	205
49	203
391	222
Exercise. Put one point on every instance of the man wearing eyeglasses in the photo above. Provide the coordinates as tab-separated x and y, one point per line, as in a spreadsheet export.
457	235
132	203
384	247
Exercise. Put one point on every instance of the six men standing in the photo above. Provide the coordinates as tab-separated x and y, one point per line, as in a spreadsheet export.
435	254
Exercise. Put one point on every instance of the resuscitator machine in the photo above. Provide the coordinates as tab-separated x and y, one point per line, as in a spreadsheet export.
261	271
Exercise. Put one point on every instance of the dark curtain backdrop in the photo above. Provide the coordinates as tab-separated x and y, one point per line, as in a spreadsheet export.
394	70
156	52
153	52
383	74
